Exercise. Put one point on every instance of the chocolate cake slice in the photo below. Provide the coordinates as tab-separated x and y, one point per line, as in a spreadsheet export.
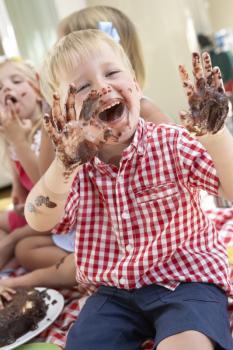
22	314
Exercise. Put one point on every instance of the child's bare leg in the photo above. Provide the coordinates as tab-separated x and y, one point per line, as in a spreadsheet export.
4	224
29	280
190	340
38	252
8	243
61	275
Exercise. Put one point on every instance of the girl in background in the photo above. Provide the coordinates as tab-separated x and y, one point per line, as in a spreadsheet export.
20	123
20	126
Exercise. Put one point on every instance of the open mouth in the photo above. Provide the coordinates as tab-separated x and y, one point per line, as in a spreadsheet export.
11	98
112	112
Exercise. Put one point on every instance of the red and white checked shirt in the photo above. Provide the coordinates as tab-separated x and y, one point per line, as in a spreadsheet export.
142	223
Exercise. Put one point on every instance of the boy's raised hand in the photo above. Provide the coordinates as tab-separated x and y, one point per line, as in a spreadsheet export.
208	104
77	139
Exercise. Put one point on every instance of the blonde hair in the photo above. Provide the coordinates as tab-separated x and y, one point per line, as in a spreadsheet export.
27	70
69	52
90	17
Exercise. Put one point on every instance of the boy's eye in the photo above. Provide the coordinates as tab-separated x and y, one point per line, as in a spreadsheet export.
82	87
113	72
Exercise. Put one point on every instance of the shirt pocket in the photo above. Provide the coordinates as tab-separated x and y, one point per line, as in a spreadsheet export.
156	193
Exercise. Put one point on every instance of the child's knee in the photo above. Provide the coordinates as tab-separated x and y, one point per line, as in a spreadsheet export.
22	249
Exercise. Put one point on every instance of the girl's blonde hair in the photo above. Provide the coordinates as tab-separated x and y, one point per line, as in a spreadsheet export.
89	18
71	51
27	70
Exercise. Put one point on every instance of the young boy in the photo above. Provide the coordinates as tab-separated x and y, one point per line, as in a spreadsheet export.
132	191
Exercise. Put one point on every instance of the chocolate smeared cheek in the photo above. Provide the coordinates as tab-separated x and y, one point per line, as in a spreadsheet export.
90	105
86	151
108	135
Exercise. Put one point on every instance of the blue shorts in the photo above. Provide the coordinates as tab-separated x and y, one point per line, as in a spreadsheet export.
65	242
118	319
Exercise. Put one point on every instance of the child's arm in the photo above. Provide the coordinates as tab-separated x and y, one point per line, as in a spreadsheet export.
206	118
76	142
47	154
220	148
52	192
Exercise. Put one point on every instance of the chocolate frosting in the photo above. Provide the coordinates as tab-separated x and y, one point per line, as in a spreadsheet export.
22	314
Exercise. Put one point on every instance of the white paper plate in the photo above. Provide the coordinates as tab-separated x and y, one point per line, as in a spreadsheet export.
54	310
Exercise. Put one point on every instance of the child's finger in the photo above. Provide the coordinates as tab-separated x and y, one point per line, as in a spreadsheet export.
8	111
70	104
218	82
208	70
10	290
52	132
57	113
197	66
13	112
7	295
187	84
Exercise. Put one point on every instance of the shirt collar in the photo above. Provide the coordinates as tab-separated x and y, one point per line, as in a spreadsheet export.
139	137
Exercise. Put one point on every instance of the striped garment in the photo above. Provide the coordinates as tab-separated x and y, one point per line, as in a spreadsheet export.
142	223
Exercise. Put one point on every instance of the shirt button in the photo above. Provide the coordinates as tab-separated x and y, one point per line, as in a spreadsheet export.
129	248
122	280
120	179
125	215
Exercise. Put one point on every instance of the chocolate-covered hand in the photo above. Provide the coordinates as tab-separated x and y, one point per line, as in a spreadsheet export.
208	104
76	139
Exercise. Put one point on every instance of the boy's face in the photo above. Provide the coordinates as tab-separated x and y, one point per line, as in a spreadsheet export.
106	76
15	87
